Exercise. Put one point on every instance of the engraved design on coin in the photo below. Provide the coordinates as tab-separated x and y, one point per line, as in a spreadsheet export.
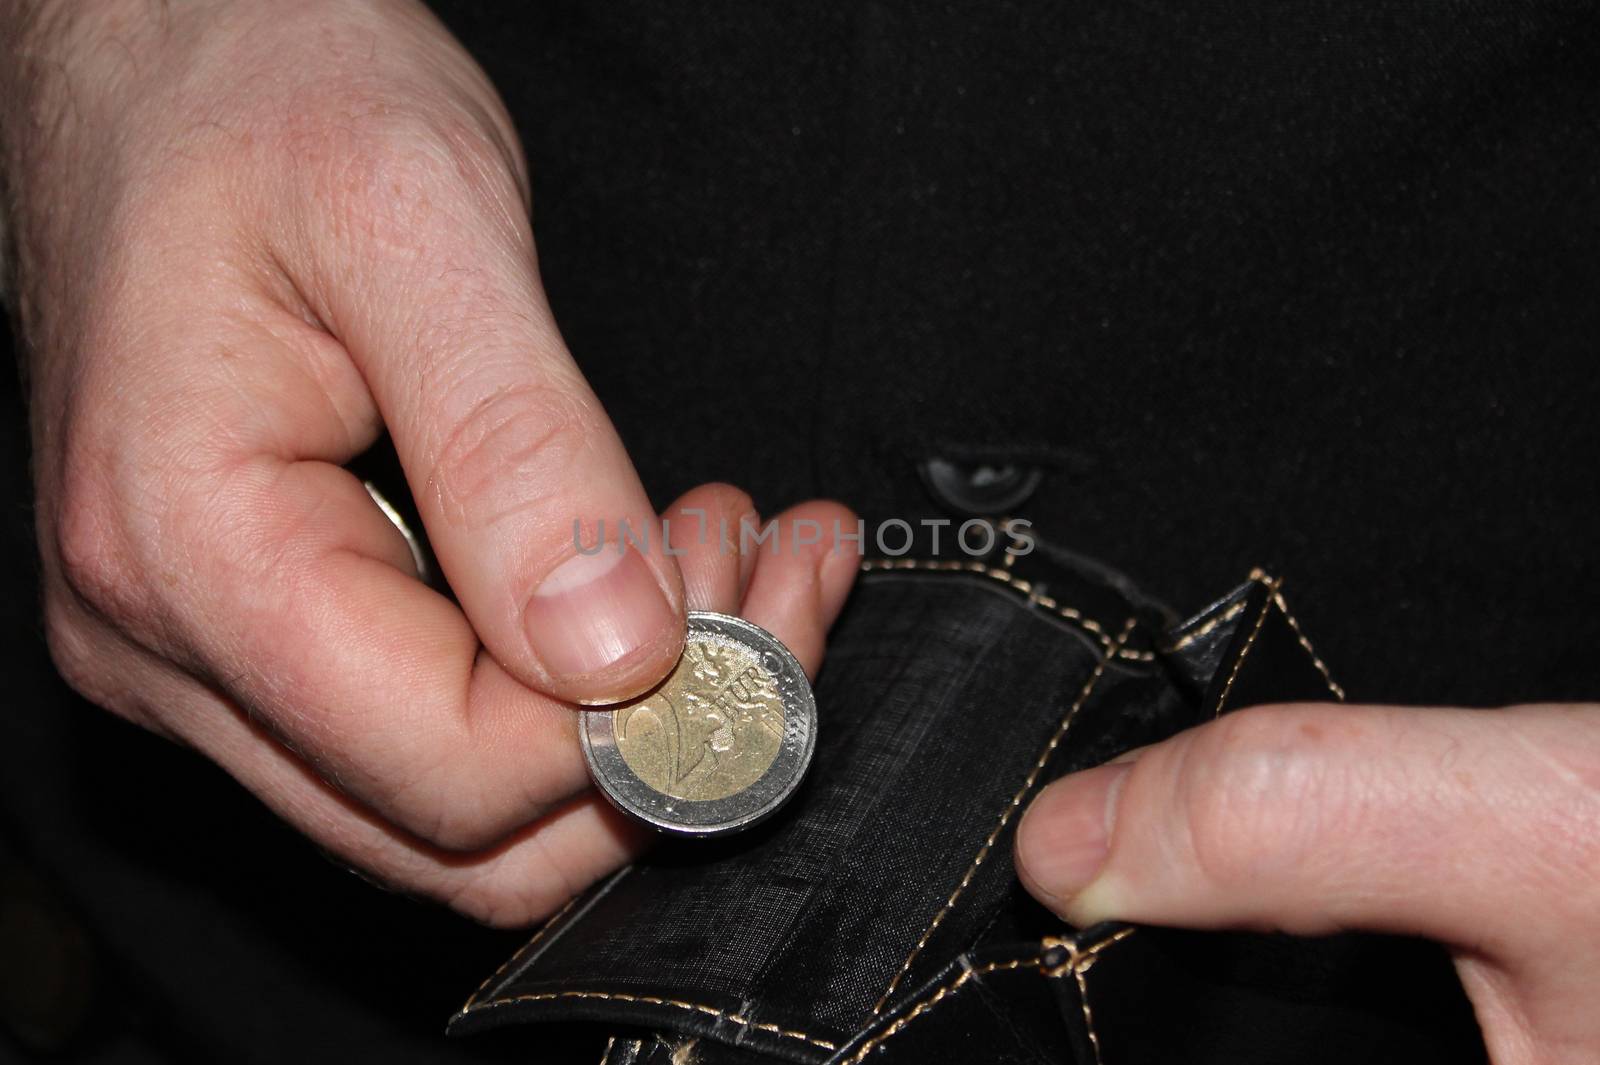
717	746
711	729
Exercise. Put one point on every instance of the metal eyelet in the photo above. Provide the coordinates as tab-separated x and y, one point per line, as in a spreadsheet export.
984	488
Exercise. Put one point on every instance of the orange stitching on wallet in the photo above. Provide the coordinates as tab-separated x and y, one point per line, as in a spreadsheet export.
1006	577
975	566
1190	637
652	1000
1080	957
1081	978
523	952
1005	815
933	1000
1272	587
1338	692
1078	963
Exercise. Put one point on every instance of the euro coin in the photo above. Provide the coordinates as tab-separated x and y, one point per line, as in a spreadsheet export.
719	745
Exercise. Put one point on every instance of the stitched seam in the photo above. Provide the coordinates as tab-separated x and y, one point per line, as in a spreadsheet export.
1008	557
1081	957
1233	675
1006	577
526	947
1080	974
1079	962
1277	596
1190	637
1001	575
933	1000
1005	815
1088	1015
652	1000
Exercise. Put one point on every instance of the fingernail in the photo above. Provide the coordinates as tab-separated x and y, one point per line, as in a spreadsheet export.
1064	837
593	611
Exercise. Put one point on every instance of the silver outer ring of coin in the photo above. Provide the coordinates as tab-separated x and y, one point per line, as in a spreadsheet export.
715	817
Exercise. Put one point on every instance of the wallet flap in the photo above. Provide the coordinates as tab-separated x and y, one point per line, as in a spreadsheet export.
950	695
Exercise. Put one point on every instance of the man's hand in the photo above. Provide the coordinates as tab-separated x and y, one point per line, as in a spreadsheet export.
252	234
1480	829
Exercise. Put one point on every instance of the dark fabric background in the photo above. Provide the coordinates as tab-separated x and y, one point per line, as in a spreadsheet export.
1303	285
1310	286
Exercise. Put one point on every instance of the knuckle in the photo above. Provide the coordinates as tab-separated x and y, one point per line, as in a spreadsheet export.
77	653
113	525
69	648
731	500
1251	795
395	172
705	510
734	498
88	547
124	536
511	452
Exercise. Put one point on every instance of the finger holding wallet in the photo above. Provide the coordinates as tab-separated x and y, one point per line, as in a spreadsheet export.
1477	828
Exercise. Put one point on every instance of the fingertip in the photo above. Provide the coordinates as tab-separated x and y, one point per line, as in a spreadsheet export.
703	533
1105	899
839	563
1064	838
802	576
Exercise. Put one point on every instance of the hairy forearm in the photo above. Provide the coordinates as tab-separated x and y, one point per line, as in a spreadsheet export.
48	55
49	46
68	69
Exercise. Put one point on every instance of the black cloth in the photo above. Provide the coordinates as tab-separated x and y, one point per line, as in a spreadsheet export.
1306	286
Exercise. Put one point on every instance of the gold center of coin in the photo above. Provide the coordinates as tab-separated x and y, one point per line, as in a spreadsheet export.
710	730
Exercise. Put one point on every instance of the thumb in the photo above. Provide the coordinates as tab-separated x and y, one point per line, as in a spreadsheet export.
517	472
1452	824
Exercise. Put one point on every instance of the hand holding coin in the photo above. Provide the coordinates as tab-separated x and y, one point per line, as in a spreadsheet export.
341	251
725	739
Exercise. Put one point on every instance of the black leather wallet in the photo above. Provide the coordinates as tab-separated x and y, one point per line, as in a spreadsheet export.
878	918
